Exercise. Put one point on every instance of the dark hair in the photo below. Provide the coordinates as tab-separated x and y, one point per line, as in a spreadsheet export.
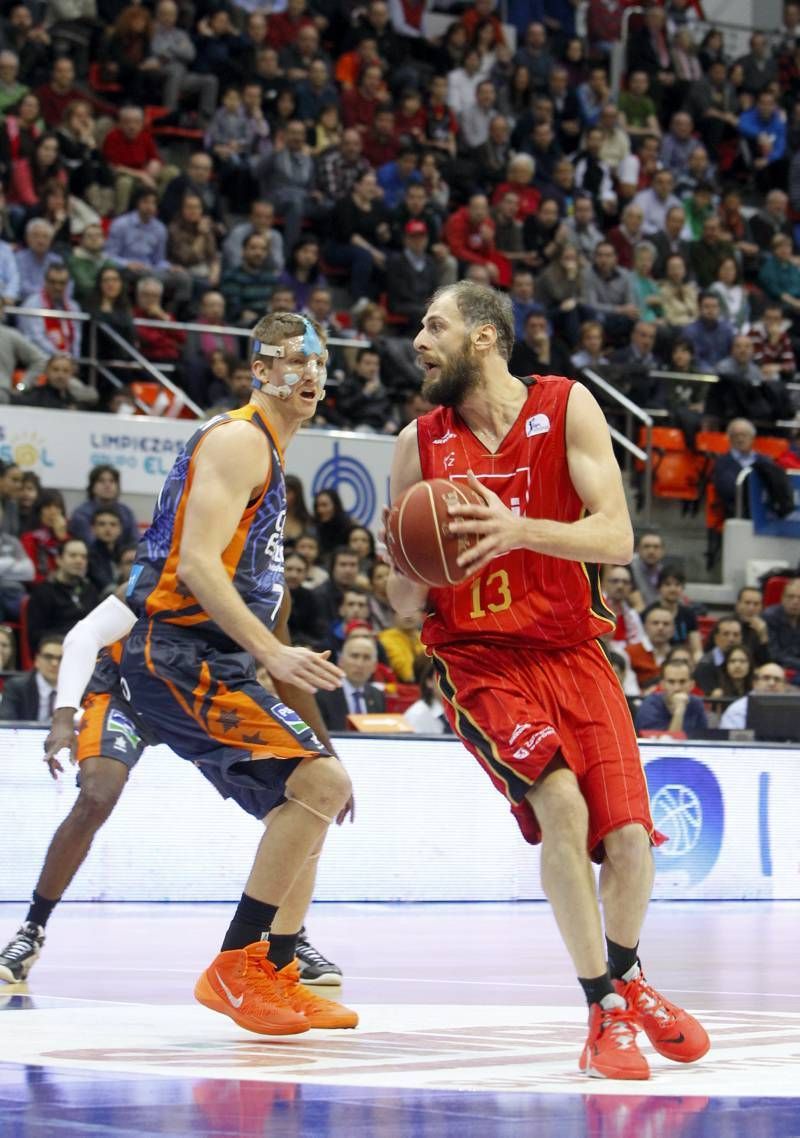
301	511
480	304
49	498
726	683
121	305
110	511
369	534
315	272
342	551
96	473
140	194
49	638
670	572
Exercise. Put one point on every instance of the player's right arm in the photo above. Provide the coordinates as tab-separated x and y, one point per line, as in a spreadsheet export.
109	622
406	597
226	469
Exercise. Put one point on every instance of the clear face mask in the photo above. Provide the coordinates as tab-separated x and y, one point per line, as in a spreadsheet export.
309	346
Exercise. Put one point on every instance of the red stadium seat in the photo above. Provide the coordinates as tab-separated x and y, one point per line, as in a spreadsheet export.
163	403
677	471
774	589
770	446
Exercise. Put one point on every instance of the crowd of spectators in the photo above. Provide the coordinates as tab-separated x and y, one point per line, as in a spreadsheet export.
680	677
680	680
344	162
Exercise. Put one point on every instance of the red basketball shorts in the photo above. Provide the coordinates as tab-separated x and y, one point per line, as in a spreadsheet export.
516	708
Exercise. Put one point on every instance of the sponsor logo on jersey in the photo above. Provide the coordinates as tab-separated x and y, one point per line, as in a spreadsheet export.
119	724
289	718
449	460
532	743
515	734
444	439
537	425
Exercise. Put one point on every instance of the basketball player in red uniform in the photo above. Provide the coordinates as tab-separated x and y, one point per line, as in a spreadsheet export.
523	679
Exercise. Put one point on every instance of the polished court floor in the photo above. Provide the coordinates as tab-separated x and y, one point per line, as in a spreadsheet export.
471	1025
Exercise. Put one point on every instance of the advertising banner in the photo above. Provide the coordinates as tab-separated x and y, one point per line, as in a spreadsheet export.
61	447
429	827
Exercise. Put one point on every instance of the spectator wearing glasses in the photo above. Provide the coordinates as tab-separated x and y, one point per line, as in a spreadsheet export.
32	697
769	679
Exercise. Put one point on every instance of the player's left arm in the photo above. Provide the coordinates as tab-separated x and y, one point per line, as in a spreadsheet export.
303	702
604	535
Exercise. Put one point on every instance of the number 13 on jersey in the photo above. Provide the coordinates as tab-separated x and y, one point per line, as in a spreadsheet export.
490	594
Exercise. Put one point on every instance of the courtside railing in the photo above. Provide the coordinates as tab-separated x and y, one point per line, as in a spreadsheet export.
136	362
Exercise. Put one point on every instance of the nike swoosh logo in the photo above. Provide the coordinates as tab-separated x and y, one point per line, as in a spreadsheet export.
235	1001
675	1039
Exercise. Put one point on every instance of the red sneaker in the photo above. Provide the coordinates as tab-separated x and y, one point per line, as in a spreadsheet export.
244	985
673	1032
611	1051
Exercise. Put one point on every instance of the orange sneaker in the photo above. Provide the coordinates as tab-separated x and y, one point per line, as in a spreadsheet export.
244	985
611	1051
673	1032
318	1012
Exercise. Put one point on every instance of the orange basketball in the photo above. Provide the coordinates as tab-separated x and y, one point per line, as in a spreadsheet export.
418	532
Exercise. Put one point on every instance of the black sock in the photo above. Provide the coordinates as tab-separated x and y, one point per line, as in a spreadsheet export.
40	910
621	959
282	948
251	919
594	990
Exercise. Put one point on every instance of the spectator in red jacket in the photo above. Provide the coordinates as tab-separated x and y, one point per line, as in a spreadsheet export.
44	544
470	234
133	156
157	344
360	106
57	95
284	26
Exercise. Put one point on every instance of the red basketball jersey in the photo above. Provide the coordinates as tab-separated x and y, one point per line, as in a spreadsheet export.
547	602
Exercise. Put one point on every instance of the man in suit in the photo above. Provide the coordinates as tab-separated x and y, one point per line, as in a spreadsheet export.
356	695
708	672
32	696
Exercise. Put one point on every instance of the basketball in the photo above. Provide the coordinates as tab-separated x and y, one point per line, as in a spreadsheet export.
418	532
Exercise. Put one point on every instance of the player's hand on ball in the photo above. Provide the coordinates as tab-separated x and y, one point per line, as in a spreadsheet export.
307	670
60	741
496	526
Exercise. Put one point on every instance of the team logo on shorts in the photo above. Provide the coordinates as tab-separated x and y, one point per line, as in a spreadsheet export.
119	724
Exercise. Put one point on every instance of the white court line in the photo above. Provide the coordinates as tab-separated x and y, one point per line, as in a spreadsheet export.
410	980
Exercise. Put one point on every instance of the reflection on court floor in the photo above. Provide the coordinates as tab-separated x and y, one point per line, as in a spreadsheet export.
106	1042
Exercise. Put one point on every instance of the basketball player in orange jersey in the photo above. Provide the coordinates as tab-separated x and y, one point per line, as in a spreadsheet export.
523	679
207	587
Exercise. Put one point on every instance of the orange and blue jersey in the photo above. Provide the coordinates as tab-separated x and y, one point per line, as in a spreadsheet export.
253	558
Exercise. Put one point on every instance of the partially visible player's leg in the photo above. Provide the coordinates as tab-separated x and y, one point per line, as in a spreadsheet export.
102	782
626	881
567	877
279	879
106	723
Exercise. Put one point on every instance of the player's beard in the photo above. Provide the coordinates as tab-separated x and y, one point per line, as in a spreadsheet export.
458	376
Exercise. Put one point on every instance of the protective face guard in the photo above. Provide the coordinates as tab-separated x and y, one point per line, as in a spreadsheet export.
310	345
